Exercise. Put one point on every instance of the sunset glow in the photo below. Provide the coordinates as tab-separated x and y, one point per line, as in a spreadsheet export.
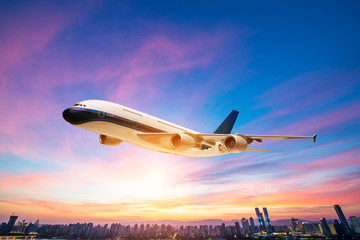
287	71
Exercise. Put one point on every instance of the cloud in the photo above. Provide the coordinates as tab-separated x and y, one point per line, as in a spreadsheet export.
147	69
313	89
311	95
27	31
348	158
324	121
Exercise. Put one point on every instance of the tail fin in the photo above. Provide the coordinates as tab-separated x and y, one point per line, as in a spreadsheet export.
226	126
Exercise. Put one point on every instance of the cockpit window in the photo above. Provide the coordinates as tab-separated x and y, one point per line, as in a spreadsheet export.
78	104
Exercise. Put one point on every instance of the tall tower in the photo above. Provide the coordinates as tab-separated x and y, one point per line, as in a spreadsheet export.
325	227
267	220
342	218
238	229
296	225
223	230
260	219
246	226
252	225
11	223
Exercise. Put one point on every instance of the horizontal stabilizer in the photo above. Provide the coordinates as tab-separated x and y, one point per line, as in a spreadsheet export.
256	150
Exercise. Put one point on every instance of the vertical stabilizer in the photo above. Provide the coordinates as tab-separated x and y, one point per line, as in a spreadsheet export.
226	126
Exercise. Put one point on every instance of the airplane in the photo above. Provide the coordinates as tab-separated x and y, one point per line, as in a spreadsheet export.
116	123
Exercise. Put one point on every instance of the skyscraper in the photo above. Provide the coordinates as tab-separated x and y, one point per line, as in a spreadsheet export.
246	226
10	224
252	225
338	228
325	227
238	229
223	230
260	219
267	220
343	221
296	225
355	224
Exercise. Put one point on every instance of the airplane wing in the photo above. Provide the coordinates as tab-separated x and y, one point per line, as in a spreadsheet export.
162	139
206	141
203	141
259	138
256	150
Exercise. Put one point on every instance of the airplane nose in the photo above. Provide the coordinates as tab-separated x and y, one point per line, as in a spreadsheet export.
69	115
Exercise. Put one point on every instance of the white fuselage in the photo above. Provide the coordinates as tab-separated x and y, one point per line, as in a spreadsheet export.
123	123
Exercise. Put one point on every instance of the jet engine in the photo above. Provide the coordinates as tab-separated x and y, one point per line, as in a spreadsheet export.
234	144
109	141
182	142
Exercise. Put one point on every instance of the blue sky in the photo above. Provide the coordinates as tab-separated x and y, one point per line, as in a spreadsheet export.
287	67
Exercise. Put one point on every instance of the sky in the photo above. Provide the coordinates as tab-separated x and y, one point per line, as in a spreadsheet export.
288	67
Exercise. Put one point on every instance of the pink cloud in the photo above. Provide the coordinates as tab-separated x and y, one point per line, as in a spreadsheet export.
143	71
27	31
345	159
303	90
24	33
324	121
25	94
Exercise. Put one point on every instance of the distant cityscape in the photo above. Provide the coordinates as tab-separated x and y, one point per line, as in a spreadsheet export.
246	228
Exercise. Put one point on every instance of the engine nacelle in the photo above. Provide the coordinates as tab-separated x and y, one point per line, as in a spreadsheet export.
109	141
234	144
182	142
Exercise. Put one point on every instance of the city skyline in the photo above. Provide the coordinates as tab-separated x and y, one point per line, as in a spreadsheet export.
233	230
289	68
210	221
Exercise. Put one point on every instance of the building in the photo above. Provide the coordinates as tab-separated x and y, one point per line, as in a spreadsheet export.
332	228
252	225
296	225
260	219
3	228
19	227
338	228
308	228
238	229
355	224
32	228
267	220
344	223
325	227
245	225
10	224
223	232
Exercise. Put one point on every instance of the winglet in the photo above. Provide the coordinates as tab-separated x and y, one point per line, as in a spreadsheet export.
226	126
314	137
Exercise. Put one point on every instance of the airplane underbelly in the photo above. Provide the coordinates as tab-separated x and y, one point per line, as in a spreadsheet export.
129	135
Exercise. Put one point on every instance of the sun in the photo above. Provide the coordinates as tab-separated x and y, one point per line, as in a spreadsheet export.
157	177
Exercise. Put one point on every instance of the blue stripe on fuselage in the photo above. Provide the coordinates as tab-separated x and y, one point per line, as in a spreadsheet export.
85	115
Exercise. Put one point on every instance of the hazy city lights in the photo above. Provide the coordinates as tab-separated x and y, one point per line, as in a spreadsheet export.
238	230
